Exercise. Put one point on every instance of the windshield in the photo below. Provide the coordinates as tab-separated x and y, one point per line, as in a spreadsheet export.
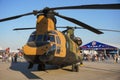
39	38
32	38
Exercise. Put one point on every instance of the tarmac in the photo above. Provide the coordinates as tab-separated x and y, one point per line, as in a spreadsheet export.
107	70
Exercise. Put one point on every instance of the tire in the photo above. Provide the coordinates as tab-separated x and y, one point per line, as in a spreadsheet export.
75	68
41	67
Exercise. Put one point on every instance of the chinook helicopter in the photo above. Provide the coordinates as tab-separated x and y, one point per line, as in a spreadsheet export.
47	45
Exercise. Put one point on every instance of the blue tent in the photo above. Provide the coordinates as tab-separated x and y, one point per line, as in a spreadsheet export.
94	45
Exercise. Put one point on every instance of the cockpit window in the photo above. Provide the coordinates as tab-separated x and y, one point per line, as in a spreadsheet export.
49	38
45	37
39	37
32	38
52	39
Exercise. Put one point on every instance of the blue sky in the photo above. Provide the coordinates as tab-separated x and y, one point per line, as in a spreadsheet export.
107	19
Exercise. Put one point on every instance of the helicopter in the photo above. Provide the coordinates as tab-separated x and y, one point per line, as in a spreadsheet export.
47	45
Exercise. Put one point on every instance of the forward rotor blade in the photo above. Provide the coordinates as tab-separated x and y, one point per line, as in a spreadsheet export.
94	6
18	16
79	23
15	17
24	28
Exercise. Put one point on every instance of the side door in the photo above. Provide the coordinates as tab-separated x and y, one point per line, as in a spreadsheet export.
60	47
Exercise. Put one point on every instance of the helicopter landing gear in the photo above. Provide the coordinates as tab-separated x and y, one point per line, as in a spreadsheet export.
75	67
30	65
41	67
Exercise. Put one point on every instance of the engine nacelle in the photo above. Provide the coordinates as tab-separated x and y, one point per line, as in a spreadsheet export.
78	41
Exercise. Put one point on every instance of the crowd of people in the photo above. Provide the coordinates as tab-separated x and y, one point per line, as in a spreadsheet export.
8	56
101	57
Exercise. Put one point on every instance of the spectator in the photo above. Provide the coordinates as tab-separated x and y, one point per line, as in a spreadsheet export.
116	58
15	57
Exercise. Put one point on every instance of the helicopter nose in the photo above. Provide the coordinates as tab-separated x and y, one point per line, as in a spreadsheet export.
46	58
49	55
44	51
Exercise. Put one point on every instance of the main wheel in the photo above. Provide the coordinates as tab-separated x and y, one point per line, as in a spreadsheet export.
41	67
30	65
75	68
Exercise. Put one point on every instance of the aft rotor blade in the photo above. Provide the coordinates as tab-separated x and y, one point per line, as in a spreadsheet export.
93	6
111	30
79	23
24	28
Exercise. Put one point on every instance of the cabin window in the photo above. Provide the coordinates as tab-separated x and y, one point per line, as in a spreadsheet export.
58	40
58	49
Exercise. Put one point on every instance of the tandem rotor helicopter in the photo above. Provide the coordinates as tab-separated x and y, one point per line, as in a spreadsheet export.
47	45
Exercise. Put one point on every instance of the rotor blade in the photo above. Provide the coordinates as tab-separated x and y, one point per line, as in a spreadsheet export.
79	23
94	6
24	28
101	29
18	16
15	17
109	30
84	28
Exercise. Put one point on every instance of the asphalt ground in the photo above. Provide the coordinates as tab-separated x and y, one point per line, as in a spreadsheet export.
106	70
